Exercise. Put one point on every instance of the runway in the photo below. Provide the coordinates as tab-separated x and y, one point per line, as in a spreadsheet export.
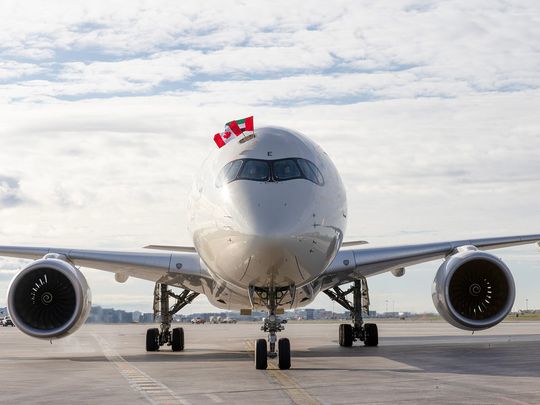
416	362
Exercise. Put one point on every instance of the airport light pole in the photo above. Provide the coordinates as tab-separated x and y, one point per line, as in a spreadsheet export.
526	304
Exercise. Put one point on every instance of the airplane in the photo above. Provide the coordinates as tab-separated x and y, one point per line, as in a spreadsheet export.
268	215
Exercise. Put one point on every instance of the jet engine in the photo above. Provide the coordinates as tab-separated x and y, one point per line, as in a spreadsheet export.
49	298
473	290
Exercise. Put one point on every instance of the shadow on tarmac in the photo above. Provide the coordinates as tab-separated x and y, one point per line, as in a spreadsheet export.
515	356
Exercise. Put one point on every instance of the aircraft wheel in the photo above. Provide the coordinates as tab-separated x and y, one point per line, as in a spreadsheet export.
284	353
177	343
345	335
152	340
371	334
261	354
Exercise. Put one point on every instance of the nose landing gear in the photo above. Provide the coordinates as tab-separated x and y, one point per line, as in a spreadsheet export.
272	298
367	333
155	338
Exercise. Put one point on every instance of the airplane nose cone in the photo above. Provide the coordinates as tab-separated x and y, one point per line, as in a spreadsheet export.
273	210
281	230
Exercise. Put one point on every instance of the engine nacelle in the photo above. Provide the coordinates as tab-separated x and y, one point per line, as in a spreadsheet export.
473	290
49	298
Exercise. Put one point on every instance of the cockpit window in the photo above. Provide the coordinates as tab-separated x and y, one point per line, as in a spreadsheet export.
269	170
234	168
286	169
320	179
257	170
308	171
229	172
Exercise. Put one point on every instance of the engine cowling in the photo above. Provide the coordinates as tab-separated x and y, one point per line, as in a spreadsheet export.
49	298
473	290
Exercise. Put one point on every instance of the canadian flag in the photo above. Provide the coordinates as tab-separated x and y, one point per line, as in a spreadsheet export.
222	138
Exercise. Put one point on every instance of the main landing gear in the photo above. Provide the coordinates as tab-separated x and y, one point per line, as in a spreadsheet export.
155	338
365	332
272	298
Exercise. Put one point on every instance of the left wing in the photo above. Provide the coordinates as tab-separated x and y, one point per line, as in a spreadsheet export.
179	269
351	263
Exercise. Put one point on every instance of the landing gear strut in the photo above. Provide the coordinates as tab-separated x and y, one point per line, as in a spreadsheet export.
365	332
272	298
155	338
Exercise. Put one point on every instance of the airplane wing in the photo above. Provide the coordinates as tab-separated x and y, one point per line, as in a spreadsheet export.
354	243
178	269
369	261
170	248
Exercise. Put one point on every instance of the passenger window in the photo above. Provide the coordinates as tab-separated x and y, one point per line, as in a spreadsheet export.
255	170
286	169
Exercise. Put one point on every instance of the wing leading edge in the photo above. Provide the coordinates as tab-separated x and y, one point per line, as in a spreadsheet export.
180	269
366	262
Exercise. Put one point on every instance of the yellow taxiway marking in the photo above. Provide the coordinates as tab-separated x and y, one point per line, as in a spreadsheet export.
294	390
154	391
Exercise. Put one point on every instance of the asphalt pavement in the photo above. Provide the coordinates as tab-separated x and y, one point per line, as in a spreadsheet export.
415	362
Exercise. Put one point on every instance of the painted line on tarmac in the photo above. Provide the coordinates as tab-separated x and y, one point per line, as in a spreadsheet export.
154	391
515	401
295	391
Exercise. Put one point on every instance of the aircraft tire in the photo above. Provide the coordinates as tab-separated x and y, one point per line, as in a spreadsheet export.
152	340
284	354
371	334
261	354
345	335
177	342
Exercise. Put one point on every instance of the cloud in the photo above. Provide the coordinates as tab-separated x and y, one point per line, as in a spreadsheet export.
15	70
29	53
428	49
9	192
10	267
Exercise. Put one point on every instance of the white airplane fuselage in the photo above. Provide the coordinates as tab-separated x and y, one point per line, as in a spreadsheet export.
271	233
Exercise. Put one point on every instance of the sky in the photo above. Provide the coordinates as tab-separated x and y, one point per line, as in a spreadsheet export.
429	109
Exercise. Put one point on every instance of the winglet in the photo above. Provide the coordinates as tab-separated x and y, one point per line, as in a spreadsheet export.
187	249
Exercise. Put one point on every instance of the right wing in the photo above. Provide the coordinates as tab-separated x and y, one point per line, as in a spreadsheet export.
349	264
177	269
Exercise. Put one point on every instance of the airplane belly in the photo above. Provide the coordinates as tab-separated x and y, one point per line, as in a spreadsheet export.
244	260
231	298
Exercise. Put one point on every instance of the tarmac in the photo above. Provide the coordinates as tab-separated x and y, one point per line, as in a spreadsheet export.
415	362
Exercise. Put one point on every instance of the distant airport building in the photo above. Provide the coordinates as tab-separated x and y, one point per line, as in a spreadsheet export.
111	315
99	314
147	317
